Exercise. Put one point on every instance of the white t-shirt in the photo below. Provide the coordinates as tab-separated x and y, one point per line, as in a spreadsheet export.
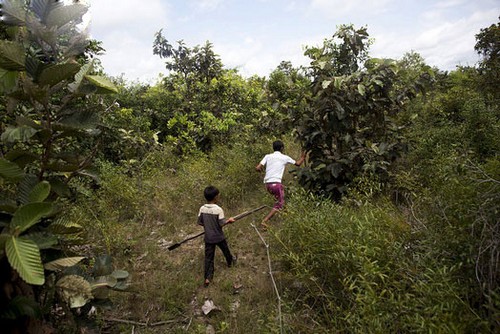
275	166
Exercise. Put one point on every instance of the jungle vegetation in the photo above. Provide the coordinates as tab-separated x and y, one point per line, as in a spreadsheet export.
392	225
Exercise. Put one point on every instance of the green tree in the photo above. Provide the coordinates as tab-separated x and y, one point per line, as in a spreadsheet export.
288	91
349	129
200	103
488	46
48	89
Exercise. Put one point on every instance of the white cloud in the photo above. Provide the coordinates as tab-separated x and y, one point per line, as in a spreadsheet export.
126	29
109	14
451	42
448	3
265	32
443	43
206	4
339	8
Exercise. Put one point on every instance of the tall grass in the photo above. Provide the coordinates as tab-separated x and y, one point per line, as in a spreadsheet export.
356	270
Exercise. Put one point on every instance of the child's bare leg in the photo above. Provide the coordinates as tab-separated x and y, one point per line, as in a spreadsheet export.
269	215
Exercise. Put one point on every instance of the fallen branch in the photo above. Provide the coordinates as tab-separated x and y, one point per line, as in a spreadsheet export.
280	316
143	324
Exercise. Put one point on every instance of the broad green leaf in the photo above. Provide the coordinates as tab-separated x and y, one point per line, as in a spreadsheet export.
24	257
10	170
62	15
59	187
103	83
8	206
65	226
120	274
74	87
63	263
102	266
121	285
54	74
28	215
361	89
25	187
43	240
74	290
336	169
108	281
33	66
85	119
20	157
40	192
42	8
19	134
12	56
13	12
8	80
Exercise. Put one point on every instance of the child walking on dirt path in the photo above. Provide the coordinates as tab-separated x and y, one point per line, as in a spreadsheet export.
274	164
211	217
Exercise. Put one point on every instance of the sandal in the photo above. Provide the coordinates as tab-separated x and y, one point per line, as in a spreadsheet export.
264	226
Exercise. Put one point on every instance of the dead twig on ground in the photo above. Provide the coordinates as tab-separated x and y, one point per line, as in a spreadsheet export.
280	316
144	324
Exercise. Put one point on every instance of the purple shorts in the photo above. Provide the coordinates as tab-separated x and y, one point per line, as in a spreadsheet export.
278	191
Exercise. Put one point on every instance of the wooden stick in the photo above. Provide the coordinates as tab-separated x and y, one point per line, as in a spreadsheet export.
144	324
280	316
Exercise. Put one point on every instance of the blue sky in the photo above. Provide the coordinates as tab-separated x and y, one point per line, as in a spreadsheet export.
255	36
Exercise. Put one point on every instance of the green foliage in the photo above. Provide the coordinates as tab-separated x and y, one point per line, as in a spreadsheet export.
350	128
288	91
51	121
344	54
358	270
449	183
200	104
196	64
488	46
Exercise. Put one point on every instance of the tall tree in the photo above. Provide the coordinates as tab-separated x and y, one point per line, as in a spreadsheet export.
349	129
488	46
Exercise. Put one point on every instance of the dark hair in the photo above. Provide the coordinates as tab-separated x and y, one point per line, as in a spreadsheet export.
210	193
278	145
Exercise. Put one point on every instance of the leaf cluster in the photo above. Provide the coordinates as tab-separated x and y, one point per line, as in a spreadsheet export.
349	128
47	87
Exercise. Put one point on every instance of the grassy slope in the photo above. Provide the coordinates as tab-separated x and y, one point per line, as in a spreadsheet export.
167	285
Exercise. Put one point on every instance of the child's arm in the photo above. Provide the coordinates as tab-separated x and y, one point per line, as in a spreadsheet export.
230	220
301	159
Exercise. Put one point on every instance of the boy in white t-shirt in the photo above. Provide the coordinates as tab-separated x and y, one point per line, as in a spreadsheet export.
274	164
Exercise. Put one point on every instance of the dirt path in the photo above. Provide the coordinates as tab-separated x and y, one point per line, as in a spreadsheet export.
168	293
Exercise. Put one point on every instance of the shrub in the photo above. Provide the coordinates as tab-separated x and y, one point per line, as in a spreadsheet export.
358	270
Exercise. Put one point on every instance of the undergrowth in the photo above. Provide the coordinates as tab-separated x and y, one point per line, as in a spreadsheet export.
363	265
357	270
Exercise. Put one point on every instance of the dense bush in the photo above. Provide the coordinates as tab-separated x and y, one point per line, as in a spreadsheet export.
361	269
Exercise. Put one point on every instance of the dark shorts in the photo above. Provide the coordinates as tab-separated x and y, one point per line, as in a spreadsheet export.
278	191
